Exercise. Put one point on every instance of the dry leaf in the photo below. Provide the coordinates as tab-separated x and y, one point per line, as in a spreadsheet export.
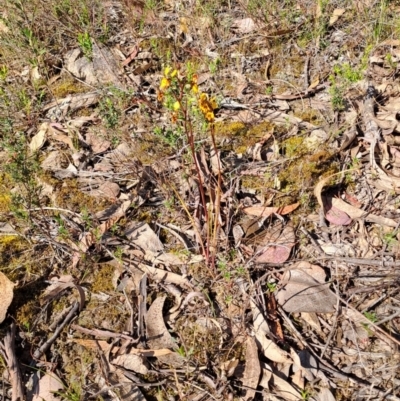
277	243
107	189
93	345
245	25
144	237
157	334
252	370
39	139
46	387
98	145
266	376
6	295
337	12
305	290
122	388
272	351
284	389
105	67
325	395
263	211
337	216
133	362
53	161
356	213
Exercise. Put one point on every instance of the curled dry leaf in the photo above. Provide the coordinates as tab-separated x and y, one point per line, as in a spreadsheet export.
277	243
39	139
245	25
122	388
6	295
47	386
144	237
133	362
305	290
284	389
98	145
325	395
107	189
337	12
337	217
157	333
352	211
251	374
263	211
271	350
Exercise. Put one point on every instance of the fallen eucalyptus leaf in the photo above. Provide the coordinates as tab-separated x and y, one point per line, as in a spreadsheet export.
6	295
305	290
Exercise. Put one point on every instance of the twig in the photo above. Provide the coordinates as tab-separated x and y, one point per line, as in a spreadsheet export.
327	367
102	333
142	306
40	351
7	350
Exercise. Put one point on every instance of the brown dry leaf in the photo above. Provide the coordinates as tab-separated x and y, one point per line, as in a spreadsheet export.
123	388
58	284
46	387
335	215
165	276
264	211
357	213
337	12
325	395
93	345
144	237
6	295
39	139
272	351
98	145
80	66
245	25
105	66
107	189
277	243
284	389
251	374
133	362
56	132
157	333
53	161
88	238
266	376
305	290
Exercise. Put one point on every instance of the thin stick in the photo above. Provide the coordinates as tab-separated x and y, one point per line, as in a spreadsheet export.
7	350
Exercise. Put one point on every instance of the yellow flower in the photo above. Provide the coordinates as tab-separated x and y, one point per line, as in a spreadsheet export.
213	103
164	83
167	70
176	106
195	88
174	73
209	116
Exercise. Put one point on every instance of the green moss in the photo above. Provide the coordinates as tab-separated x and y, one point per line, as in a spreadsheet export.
103	279
69	196
67	86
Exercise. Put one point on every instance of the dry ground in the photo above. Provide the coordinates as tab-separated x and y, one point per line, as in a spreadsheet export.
199	200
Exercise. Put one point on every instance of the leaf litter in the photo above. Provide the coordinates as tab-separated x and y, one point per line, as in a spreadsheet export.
261	266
